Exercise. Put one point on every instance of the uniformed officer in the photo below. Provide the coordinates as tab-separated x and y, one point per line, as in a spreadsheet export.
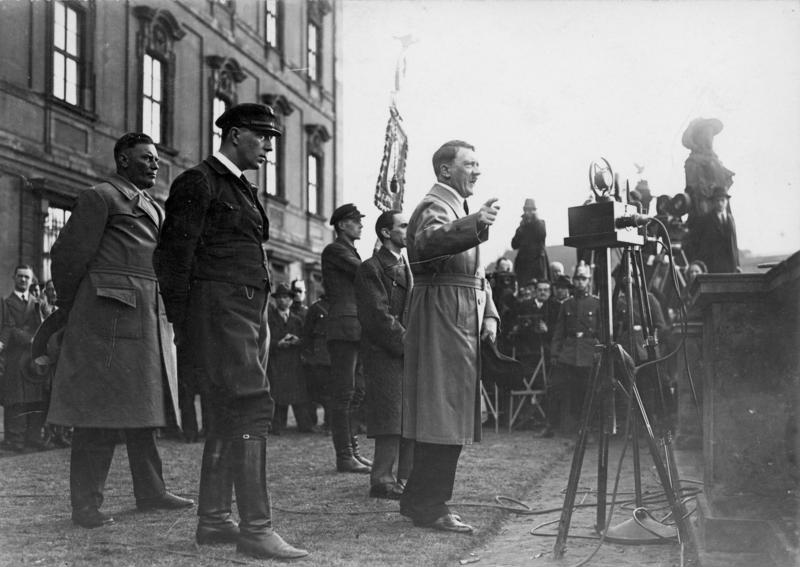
572	350
214	278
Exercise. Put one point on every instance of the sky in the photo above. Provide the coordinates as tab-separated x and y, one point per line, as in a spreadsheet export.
544	88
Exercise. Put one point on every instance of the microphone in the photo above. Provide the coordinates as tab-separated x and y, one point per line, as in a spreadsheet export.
632	220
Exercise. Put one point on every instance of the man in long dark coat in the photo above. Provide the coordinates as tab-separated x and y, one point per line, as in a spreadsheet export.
340	260
21	392
712	237
213	272
117	354
531	262
383	283
287	380
451	310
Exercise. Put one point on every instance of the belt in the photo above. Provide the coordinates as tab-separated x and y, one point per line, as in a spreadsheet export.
459	280
125	271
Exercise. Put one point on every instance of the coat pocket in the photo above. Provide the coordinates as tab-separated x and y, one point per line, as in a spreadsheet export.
116	314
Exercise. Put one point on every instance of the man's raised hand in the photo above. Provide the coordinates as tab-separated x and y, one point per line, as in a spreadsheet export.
488	212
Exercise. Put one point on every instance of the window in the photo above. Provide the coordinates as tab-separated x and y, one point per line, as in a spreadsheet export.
317	136
225	75
67	38
158	32
314	176
313	51
152	98
271	171
219	107
271	31
55	221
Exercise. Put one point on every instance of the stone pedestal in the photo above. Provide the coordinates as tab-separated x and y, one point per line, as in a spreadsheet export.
751	385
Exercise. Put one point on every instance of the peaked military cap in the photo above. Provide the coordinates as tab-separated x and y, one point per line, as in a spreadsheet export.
256	117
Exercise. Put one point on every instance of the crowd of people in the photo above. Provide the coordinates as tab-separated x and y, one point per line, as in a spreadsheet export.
152	310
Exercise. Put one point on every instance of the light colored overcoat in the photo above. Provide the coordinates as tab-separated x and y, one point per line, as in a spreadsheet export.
441	397
118	345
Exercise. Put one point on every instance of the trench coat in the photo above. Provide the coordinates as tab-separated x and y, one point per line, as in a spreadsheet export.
19	385
382	287
117	352
449	301
286	377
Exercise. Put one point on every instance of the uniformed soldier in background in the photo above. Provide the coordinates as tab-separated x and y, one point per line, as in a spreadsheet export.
572	351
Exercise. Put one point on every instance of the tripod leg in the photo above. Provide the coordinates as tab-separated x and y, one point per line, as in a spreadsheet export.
664	475
577	463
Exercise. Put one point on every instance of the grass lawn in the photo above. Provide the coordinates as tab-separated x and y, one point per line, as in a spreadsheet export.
314	507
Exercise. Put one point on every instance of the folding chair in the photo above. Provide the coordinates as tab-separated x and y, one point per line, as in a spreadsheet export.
491	403
534	391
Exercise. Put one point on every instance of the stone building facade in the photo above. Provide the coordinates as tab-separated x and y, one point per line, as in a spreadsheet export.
75	75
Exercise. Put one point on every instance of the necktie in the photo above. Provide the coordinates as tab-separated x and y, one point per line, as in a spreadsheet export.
466	207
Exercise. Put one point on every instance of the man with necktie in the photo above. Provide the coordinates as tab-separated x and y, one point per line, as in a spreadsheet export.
23	398
450	312
116	360
214	276
383	283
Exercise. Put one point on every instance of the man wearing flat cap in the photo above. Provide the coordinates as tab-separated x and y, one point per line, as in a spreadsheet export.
214	278
531	262
340	262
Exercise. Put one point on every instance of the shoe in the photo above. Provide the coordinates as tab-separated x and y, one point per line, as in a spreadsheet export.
386	491
256	536
91	518
351	465
449	523
226	531
269	546
167	501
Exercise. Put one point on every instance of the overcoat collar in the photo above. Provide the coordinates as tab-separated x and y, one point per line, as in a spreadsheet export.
131	192
448	195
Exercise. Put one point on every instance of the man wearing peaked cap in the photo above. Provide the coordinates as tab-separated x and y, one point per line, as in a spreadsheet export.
214	277
346	211
255	117
340	262
572	350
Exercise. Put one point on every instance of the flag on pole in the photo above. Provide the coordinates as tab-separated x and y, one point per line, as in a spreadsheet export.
390	188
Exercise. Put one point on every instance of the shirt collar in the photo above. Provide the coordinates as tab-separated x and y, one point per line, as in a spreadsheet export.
393	253
22	295
228	163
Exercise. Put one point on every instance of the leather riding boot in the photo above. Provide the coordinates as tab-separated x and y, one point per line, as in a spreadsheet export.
256	536
356	454
342	443
215	523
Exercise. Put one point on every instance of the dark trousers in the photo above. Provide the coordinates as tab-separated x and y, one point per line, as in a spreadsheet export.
302	414
347	385
430	484
237	418
92	452
566	393
22	423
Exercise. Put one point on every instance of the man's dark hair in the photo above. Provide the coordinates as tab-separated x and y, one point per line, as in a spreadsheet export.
447	153
385	220
130	140
24	267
